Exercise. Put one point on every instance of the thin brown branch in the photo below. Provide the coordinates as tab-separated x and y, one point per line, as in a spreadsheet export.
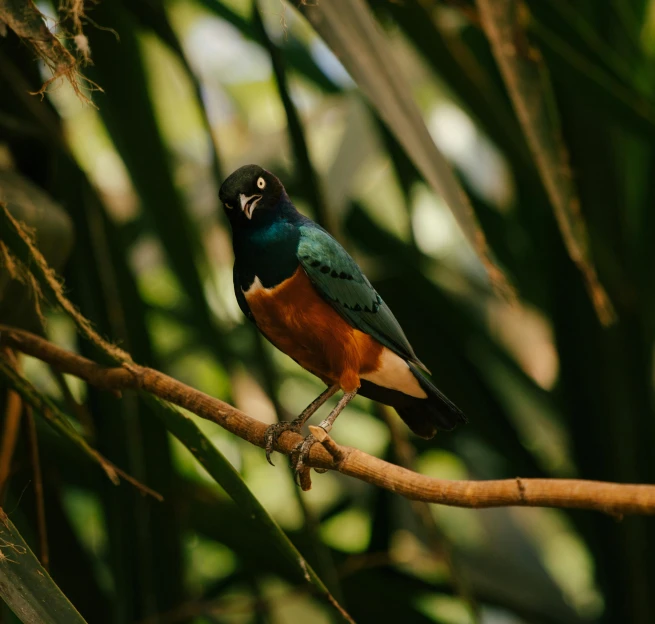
13	411
613	498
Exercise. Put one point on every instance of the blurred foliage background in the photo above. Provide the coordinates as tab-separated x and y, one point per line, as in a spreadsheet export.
122	195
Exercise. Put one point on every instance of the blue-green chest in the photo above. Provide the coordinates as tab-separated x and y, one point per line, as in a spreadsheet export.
268	253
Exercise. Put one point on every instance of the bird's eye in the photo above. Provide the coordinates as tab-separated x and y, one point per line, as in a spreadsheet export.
228	206
261	183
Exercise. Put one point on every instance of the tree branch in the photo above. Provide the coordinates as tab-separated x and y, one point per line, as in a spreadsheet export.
613	498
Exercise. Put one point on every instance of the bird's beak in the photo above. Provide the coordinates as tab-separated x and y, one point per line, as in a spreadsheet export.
248	204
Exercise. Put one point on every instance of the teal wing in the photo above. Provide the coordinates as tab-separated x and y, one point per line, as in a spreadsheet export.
340	281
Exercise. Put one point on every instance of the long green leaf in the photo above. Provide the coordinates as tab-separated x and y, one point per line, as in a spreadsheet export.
152	13
185	430
308	180
594	83
26	586
149	449
130	118
529	88
295	53
145	548
457	61
569	22
350	30
69	557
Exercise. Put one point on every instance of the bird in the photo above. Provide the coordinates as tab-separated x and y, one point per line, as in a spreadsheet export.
310	299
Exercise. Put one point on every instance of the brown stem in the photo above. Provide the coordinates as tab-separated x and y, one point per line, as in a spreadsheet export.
13	411
613	498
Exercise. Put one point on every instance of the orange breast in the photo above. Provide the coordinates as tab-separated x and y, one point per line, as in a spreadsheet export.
300	323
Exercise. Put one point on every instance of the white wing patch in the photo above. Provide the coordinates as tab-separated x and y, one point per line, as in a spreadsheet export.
394	373
254	287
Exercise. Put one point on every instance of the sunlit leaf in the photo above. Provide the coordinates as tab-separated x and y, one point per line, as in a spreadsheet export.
350	30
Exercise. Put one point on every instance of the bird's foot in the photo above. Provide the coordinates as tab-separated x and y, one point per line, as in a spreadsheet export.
300	455
299	462
273	432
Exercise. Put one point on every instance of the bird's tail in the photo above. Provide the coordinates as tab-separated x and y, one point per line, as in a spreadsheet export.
425	416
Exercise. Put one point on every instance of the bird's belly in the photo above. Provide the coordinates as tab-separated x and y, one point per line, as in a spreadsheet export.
294	317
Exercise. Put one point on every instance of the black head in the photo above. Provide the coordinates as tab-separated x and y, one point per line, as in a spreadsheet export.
251	195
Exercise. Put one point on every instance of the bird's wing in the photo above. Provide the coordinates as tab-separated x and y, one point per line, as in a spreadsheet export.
241	298
340	281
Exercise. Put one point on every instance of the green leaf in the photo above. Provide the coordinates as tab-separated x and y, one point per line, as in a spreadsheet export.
527	83
459	62
144	557
130	118
185	430
152	13
308	180
26	586
571	25
295	53
593	83
349	28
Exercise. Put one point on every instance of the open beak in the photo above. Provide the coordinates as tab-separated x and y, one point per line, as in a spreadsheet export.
248	204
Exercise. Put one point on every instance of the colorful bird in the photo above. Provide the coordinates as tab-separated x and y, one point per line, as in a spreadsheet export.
310	299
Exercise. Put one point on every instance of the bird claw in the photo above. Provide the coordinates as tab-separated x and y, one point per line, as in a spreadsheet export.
300	454
273	432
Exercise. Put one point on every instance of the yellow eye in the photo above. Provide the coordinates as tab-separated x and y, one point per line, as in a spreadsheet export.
261	183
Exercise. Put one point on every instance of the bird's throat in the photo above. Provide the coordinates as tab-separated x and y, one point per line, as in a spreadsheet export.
269	254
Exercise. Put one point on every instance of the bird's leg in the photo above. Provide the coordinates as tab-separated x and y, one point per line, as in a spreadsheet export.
302	450
273	432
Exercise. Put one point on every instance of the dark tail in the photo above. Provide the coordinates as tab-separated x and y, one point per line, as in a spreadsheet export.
425	416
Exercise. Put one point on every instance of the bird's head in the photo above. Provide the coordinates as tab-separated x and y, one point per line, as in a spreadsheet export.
250	196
